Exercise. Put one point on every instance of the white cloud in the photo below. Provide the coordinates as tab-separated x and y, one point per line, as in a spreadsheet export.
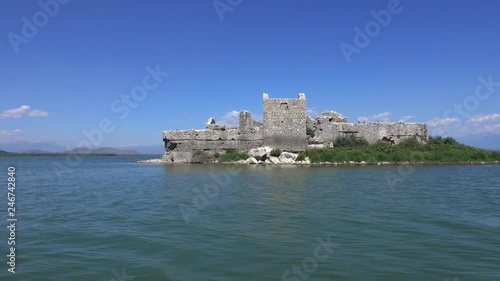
38	113
437	122
493	129
476	125
484	118
406	118
16	112
9	133
231	118
381	117
312	112
7	136
21	111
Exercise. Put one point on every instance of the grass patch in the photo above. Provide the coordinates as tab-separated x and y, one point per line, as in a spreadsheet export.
301	157
232	155
275	152
438	149
350	141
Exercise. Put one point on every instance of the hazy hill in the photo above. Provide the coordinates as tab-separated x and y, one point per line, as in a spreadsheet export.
51	147
102	150
36	151
21	146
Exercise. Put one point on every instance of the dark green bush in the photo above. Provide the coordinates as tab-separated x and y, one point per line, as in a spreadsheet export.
411	144
232	155
434	139
438	149
450	141
276	152
301	157
350	141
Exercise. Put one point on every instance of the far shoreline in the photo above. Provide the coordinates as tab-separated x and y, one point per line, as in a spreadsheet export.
341	164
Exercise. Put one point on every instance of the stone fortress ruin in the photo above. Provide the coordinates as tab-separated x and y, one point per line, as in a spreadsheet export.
287	127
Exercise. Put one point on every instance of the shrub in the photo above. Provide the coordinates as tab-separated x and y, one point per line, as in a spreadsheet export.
382	147
411	144
434	139
450	141
350	141
343	142
276	152
232	155
301	157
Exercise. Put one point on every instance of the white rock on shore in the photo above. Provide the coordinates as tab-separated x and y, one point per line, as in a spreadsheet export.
152	161
261	153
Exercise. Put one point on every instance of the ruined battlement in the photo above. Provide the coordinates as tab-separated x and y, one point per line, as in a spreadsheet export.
285	123
285	126
216	138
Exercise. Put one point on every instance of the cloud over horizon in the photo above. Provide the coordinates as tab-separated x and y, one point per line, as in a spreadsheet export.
231	118
484	118
475	125
381	117
10	132
10	135
21	111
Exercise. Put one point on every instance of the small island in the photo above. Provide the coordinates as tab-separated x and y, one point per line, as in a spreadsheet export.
288	135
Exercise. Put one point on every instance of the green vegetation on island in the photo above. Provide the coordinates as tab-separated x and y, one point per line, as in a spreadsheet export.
351	150
436	150
232	155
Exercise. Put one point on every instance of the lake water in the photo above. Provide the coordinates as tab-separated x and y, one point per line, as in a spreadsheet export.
110	219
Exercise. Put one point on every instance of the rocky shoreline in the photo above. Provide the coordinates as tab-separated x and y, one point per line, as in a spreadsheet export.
345	163
264	156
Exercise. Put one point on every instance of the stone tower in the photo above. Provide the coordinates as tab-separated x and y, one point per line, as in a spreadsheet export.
285	123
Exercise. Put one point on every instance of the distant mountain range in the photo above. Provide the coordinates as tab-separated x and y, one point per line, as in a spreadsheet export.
51	147
102	150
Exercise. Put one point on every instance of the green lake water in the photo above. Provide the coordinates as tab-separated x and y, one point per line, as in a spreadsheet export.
110	219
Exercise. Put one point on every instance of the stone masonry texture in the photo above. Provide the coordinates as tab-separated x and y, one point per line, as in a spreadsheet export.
285	126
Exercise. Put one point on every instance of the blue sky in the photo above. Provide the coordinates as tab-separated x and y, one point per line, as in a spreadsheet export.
62	77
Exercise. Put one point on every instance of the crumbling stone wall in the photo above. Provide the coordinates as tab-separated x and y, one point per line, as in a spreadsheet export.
180	145
390	132
285	123
246	119
286	126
